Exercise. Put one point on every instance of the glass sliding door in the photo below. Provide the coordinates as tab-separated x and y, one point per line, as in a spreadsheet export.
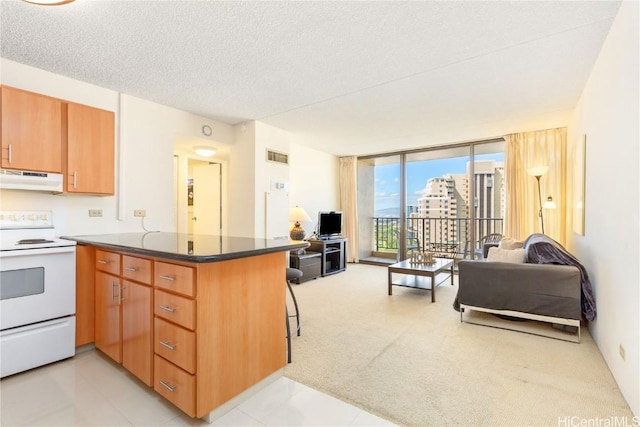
379	206
438	198
445	197
488	194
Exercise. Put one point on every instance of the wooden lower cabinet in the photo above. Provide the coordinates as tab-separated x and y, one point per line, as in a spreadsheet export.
85	294
108	316
240	316
198	333
124	317
137	350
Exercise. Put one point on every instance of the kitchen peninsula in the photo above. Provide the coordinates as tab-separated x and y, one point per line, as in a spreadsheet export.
200	318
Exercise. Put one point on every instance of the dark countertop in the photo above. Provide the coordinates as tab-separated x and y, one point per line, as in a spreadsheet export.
188	247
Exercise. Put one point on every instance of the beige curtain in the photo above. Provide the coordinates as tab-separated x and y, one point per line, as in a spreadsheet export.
349	204
527	150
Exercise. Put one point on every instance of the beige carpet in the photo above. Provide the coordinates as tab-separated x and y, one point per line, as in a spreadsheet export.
413	363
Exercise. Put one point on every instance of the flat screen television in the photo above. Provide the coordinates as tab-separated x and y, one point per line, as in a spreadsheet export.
329	224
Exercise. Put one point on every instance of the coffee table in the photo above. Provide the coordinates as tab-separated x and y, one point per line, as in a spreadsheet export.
420	276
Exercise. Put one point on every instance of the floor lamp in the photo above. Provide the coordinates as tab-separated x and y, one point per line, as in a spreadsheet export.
537	172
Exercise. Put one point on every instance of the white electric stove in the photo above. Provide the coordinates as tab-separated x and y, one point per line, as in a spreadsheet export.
37	292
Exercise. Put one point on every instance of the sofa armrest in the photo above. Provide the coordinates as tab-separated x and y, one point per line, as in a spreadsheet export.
544	289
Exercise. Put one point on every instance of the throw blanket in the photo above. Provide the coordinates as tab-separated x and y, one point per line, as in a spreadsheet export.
542	249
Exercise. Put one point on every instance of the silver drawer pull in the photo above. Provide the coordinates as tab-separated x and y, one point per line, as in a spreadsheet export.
131	268
167	386
169	278
169	346
103	261
10	154
167	308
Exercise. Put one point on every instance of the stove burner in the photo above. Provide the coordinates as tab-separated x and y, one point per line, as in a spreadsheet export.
33	241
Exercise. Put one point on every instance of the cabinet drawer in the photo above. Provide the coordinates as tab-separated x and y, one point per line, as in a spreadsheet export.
137	269
108	262
175	344
175	385
175	278
176	309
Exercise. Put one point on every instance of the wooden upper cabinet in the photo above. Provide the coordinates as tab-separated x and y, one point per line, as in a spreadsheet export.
90	150
31	131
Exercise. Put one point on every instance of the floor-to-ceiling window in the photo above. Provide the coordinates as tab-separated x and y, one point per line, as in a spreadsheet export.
447	196
379	206
438	197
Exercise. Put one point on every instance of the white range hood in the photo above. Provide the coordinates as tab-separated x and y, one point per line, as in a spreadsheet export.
26	180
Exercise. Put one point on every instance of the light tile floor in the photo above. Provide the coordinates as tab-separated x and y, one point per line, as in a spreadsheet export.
91	390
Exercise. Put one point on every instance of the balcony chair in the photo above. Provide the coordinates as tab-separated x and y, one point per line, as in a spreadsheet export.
481	247
413	243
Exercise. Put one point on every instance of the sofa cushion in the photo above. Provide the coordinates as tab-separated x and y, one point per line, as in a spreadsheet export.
506	255
509	243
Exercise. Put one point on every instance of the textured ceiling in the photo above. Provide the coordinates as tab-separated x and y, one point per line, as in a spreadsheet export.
350	77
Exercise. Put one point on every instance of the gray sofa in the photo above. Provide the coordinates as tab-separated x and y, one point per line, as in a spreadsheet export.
551	286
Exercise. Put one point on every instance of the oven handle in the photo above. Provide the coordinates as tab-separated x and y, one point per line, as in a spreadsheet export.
42	326
38	251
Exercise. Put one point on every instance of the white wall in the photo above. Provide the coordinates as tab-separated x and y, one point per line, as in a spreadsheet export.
608	114
267	173
312	177
145	133
242	181
314	182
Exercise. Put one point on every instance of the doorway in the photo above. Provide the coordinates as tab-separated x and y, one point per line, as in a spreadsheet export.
205	197
200	188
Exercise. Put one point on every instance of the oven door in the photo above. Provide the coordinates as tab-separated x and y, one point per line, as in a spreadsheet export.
36	285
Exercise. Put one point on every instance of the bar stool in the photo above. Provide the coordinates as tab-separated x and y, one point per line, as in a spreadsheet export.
292	273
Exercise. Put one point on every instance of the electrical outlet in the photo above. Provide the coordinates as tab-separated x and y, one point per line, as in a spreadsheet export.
140	212
622	353
95	212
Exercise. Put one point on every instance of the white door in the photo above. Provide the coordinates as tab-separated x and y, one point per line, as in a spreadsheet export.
207	203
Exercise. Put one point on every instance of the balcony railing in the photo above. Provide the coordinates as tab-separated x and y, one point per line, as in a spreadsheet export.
428	231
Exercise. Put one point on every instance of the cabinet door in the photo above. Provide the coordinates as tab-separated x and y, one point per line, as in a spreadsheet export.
137	347
31	131
85	294
108	316
90	150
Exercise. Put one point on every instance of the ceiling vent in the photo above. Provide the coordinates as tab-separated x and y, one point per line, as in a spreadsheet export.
274	156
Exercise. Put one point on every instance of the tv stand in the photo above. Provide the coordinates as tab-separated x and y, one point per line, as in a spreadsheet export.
333	253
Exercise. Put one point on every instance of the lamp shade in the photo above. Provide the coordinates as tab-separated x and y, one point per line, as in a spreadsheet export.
549	203
298	214
538	170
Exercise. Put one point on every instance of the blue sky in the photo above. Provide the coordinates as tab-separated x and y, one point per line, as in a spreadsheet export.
387	177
